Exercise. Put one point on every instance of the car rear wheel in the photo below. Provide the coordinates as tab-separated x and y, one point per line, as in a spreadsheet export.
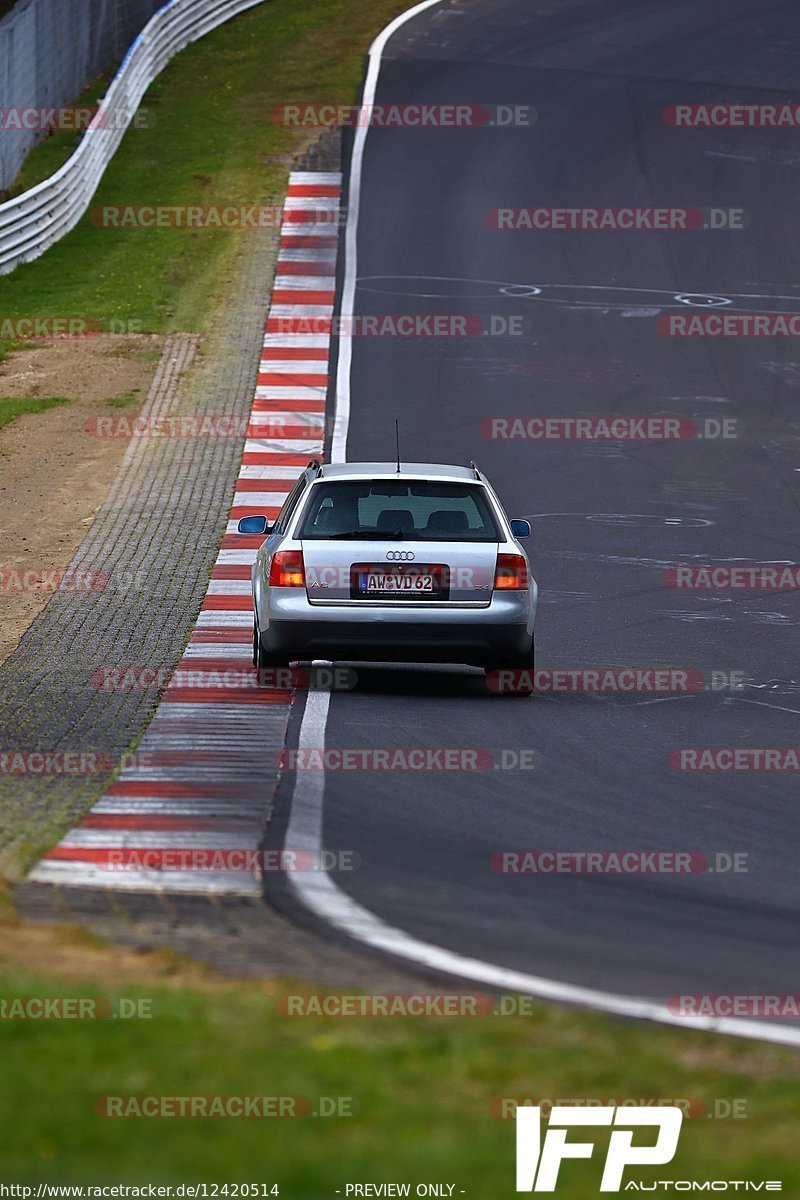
513	678
266	664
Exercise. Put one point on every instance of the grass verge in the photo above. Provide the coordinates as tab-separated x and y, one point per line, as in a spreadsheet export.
423	1091
7	348
208	139
12	408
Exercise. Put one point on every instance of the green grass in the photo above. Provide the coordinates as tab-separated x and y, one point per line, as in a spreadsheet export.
209	140
10	408
421	1089
8	347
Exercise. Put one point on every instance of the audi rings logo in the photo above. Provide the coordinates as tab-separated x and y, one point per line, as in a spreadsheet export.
400	555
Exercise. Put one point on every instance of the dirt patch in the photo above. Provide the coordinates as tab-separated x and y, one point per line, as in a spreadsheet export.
91	369
68	953
53	474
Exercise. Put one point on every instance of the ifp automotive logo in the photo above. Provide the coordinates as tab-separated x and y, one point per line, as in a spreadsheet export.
538	1162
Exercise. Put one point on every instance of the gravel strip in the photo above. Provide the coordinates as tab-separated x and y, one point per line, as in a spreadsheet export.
160	483
156	538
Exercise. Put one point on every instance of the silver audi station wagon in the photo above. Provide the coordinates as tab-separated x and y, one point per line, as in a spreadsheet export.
371	562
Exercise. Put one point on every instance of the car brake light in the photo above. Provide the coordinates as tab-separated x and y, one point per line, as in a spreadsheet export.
511	573
286	569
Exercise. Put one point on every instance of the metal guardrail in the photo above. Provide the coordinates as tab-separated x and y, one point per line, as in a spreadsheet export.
33	221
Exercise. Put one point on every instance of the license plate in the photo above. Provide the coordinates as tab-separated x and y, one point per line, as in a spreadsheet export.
407	582
385	582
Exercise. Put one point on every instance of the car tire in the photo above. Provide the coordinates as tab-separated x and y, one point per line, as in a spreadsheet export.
526	667
263	661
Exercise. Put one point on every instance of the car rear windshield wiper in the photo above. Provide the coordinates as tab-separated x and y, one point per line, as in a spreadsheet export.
380	534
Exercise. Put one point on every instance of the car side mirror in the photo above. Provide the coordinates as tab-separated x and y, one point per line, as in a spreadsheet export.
521	529
253	525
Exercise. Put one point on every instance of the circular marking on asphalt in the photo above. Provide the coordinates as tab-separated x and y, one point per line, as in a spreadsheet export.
583	295
647	520
698	300
523	290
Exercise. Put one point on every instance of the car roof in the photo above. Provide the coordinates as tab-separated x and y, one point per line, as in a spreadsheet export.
372	470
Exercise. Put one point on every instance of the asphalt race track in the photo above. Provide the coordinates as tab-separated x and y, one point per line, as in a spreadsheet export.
610	518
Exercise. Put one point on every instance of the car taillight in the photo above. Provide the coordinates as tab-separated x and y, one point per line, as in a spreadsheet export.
511	573
286	569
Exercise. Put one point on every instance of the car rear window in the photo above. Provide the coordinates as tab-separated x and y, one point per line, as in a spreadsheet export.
435	512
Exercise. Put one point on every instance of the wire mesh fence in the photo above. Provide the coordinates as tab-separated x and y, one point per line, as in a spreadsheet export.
35	219
49	51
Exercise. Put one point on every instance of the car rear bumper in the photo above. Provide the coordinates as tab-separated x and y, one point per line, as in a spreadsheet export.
480	645
486	636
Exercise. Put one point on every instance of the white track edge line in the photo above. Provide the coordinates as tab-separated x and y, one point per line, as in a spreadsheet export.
319	893
322	896
342	414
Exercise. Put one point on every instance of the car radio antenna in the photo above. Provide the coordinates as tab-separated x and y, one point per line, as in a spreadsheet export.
397	443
